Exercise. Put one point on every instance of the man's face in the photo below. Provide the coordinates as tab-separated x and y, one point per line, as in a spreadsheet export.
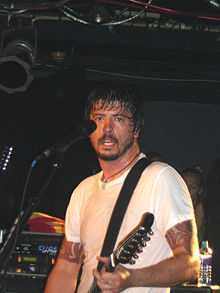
115	134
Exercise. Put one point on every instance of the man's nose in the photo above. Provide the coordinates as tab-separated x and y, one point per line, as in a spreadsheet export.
108	125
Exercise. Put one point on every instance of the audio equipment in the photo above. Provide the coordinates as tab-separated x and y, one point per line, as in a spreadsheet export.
31	261
34	255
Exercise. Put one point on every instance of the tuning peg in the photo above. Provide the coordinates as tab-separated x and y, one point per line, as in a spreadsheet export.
142	232
130	246
147	238
126	252
134	241
131	261
124	260
143	243
150	232
140	249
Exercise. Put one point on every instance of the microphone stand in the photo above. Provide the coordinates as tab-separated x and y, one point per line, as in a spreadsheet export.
9	244
11	239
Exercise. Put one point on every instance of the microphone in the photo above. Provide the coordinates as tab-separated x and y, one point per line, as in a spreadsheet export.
85	130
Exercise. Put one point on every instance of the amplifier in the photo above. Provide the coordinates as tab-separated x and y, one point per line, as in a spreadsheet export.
34	255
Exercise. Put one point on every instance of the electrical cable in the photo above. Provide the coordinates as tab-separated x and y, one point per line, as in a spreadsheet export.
124	75
8	248
83	21
163	10
69	12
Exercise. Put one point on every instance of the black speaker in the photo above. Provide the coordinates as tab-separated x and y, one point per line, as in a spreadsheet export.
196	289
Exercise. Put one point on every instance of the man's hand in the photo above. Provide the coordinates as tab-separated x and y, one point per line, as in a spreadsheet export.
113	282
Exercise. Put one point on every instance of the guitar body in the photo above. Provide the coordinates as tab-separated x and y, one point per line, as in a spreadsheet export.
129	248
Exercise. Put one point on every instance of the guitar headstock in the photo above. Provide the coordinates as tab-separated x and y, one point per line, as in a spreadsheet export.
132	245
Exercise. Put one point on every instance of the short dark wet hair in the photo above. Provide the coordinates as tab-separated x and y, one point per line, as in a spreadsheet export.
127	97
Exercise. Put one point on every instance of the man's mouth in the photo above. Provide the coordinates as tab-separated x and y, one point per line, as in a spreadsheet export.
108	141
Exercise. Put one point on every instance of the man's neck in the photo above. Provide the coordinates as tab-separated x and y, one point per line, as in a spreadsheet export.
115	168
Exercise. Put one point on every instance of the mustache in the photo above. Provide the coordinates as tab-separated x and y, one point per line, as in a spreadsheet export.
107	136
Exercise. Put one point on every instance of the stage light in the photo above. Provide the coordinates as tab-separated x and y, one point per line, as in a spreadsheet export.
16	62
99	14
215	3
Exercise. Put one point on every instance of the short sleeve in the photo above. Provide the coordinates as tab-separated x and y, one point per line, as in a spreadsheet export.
72	219
173	204
76	207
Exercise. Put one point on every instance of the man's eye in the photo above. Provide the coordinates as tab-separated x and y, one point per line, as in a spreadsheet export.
119	118
98	118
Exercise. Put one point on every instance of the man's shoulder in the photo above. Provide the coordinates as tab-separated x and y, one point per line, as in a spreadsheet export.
157	166
153	165
84	189
89	181
159	169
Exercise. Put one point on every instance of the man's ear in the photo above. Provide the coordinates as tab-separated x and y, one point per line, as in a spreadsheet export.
137	132
139	126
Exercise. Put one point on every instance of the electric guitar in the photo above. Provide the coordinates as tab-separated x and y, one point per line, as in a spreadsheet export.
129	248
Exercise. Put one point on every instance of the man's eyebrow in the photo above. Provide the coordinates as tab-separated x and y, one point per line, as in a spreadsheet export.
123	115
99	112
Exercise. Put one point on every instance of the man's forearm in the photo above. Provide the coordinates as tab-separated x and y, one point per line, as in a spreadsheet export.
63	277
166	273
60	281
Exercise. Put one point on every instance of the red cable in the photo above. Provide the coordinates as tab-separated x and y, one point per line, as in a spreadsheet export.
160	9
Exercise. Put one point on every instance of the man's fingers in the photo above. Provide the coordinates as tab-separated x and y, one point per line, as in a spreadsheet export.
104	260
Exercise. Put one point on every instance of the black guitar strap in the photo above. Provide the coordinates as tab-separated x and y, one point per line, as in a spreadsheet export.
121	207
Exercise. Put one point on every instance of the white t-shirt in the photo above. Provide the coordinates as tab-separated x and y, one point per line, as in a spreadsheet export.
160	191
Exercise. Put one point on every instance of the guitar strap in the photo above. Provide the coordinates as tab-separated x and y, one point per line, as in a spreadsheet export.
121	207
